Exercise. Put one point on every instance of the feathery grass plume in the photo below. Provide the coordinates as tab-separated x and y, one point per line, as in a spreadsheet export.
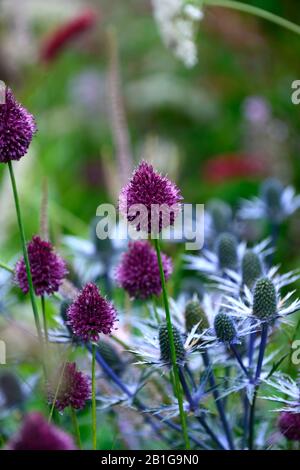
226	247
264	299
47	268
91	314
289	425
164	343
224	328
17	129
138	270
251	268
155	193
37	434
194	314
74	387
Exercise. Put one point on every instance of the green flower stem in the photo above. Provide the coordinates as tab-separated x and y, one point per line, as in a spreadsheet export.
256	11
45	320
94	415
172	348
25	254
76	428
6	267
57	391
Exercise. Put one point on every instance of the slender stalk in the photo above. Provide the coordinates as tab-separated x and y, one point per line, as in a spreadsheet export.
56	392
262	349
25	254
172	348
218	400
94	414
193	407
6	267
76	428
256	11
137	402
239	359
45	320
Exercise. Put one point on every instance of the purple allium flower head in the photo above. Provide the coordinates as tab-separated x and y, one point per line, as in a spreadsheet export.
91	314
37	434
17	127
138	271
74	388
156	193
289	425
47	268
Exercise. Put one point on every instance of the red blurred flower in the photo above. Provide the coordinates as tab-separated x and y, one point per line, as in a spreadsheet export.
66	33
232	166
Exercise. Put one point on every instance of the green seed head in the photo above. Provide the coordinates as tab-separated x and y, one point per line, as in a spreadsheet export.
264	300
221	215
271	193
251	268
164	344
227	251
224	327
111	356
195	314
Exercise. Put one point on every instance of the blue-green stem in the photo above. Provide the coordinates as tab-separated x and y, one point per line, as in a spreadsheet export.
25	254
253	10
172	348
45	320
94	413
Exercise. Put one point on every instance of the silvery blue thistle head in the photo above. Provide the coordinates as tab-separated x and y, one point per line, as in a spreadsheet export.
224	328
226	247
164	344
251	268
221	215
271	192
264	299
195	314
112	357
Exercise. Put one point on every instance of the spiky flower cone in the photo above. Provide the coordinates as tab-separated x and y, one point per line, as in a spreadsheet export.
264	300
224	328
271	193
289	425
221	215
195	314
226	247
164	344
251	268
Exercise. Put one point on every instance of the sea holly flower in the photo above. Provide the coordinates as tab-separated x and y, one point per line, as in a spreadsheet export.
150	201
164	344
17	128
264	303
73	388
37	434
275	203
289	390
225	258
91	314
138	271
47	268
195	316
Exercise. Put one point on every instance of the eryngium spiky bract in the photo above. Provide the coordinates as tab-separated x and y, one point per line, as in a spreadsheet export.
17	127
164	344
264	299
226	247
251	268
195	314
224	328
221	215
289	425
111	356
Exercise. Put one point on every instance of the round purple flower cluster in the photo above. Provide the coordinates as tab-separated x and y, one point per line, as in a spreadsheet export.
91	314
74	389
289	425
37	434
47	268
17	127
159	196
138	271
